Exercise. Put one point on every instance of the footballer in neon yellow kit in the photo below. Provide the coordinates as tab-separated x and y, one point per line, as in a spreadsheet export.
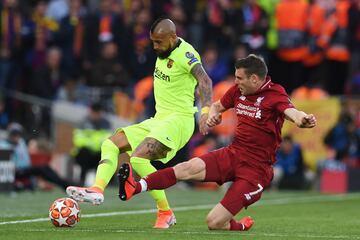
178	71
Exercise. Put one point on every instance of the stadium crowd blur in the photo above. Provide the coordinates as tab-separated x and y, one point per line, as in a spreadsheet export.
86	51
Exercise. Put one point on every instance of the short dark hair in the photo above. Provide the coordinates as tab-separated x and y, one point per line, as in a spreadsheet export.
157	21
252	64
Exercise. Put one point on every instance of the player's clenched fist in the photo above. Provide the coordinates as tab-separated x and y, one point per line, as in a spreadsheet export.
214	120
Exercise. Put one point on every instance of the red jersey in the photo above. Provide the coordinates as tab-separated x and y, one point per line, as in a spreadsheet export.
260	117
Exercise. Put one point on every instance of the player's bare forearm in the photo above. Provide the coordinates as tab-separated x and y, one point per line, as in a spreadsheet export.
205	92
301	119
204	85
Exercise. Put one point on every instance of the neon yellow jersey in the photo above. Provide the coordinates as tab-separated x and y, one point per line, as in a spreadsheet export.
174	85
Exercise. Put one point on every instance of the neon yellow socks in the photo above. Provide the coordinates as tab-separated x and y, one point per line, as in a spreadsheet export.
143	167
107	165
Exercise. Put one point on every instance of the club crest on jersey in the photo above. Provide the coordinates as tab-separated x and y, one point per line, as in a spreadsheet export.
242	97
258	101
170	63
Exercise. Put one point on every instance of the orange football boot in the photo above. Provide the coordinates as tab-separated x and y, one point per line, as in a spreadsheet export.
126	182
247	222
165	219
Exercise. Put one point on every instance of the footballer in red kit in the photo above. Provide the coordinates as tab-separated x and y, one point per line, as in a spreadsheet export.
261	108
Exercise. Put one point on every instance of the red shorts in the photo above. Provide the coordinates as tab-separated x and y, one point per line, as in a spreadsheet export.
224	165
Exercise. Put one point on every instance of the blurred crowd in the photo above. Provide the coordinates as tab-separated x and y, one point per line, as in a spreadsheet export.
86	51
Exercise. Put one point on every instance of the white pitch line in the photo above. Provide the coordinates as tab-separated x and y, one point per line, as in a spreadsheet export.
264	202
214	233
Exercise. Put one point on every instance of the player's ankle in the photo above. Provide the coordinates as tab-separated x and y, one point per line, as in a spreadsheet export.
96	189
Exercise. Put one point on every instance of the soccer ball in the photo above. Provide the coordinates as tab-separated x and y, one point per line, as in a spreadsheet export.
64	212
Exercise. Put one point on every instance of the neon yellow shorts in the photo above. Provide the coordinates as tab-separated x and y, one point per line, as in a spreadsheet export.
173	130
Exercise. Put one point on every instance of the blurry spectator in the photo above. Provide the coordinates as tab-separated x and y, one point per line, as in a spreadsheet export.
218	23
252	26
101	27
240	51
289	167
11	47
24	169
87	139
50	76
46	83
178	16
314	58
107	70
344	138
354	45
142	55
334	39
291	16
214	64
74	90
4	118
39	34
71	36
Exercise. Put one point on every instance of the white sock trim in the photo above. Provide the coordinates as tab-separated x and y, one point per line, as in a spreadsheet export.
143	184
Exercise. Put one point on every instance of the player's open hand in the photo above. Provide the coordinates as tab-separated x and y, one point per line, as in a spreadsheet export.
214	120
308	121
203	127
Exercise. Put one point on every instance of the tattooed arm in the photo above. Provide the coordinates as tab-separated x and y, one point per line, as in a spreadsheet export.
205	92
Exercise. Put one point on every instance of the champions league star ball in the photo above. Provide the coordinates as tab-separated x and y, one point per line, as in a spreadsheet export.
64	212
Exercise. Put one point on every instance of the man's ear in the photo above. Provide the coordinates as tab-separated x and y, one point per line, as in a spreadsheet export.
254	78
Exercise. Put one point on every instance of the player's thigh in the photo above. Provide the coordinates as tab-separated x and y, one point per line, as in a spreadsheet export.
241	194
151	149
218	166
132	135
120	140
173	132
193	169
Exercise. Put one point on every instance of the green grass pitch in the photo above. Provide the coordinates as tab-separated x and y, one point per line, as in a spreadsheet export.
278	215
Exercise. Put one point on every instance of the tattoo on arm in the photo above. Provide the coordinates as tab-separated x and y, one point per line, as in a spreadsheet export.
205	84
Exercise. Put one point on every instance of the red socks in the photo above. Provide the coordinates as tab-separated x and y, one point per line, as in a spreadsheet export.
158	180
236	226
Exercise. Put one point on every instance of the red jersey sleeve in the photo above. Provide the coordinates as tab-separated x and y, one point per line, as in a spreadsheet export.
229	97
282	100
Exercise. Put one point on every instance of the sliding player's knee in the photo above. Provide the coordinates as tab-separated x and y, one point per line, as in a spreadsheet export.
214	222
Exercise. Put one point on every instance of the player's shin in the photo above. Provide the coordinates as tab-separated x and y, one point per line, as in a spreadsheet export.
108	164
143	167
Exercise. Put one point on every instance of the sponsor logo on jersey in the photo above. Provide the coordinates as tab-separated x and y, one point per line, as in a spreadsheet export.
160	75
247	110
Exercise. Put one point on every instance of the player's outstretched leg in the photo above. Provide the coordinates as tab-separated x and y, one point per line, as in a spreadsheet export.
128	187
92	195
127	183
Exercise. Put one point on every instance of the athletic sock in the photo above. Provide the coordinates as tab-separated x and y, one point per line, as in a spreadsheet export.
108	164
236	226
143	168
161	179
